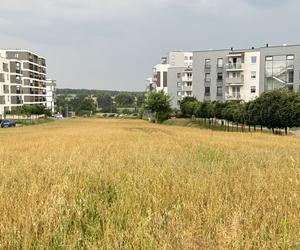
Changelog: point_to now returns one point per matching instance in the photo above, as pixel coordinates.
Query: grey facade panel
(173, 80)
(199, 71)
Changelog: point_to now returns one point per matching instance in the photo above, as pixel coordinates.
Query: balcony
(187, 88)
(235, 80)
(234, 66)
(187, 79)
(233, 97)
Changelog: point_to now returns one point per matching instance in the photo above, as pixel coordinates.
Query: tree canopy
(158, 103)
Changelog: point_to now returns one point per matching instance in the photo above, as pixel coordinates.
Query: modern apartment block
(22, 79)
(223, 75)
(173, 59)
(51, 94)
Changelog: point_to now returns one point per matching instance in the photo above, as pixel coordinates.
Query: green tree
(189, 106)
(124, 100)
(158, 103)
(105, 103)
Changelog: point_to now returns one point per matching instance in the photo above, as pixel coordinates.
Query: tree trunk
(273, 131)
(249, 128)
(286, 130)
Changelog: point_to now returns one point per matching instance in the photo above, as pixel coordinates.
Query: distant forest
(95, 92)
(82, 101)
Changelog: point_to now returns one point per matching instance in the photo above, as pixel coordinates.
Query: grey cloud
(267, 3)
(113, 44)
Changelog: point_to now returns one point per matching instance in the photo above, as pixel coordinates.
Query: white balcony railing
(234, 66)
(187, 88)
(233, 96)
(235, 80)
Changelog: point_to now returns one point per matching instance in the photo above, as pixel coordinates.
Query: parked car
(7, 124)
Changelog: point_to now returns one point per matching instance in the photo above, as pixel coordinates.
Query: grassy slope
(120, 184)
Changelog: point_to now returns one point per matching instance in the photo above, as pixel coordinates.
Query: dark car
(7, 124)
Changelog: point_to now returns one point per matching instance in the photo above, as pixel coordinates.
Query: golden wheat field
(122, 184)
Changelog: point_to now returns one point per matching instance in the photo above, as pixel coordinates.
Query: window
(16, 55)
(253, 59)
(186, 58)
(189, 84)
(219, 91)
(158, 80)
(191, 58)
(253, 89)
(207, 63)
(207, 77)
(291, 88)
(220, 77)
(207, 91)
(253, 74)
(269, 58)
(220, 63)
(179, 84)
(290, 57)
(178, 75)
(291, 76)
(178, 93)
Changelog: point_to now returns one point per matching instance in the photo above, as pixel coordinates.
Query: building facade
(24, 81)
(174, 59)
(51, 95)
(229, 74)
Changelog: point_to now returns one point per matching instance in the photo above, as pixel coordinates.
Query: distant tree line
(275, 110)
(80, 101)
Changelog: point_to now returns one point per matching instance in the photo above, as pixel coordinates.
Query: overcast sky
(113, 44)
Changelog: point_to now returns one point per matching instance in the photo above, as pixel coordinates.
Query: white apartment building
(242, 76)
(22, 79)
(5, 85)
(51, 95)
(174, 59)
(228, 74)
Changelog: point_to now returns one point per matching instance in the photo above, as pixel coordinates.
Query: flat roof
(23, 50)
(249, 49)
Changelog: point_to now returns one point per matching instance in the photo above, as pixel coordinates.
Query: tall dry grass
(112, 184)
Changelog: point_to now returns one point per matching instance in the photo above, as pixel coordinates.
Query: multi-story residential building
(183, 77)
(51, 94)
(5, 85)
(229, 74)
(173, 59)
(25, 79)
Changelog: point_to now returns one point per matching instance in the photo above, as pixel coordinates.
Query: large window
(279, 71)
(220, 77)
(253, 74)
(291, 76)
(207, 77)
(253, 59)
(207, 91)
(220, 63)
(207, 64)
(219, 91)
(253, 89)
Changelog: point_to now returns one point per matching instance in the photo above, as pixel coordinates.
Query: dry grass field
(120, 184)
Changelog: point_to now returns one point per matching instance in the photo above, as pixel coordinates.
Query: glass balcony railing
(234, 66)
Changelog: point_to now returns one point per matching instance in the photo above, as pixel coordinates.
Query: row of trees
(275, 110)
(31, 110)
